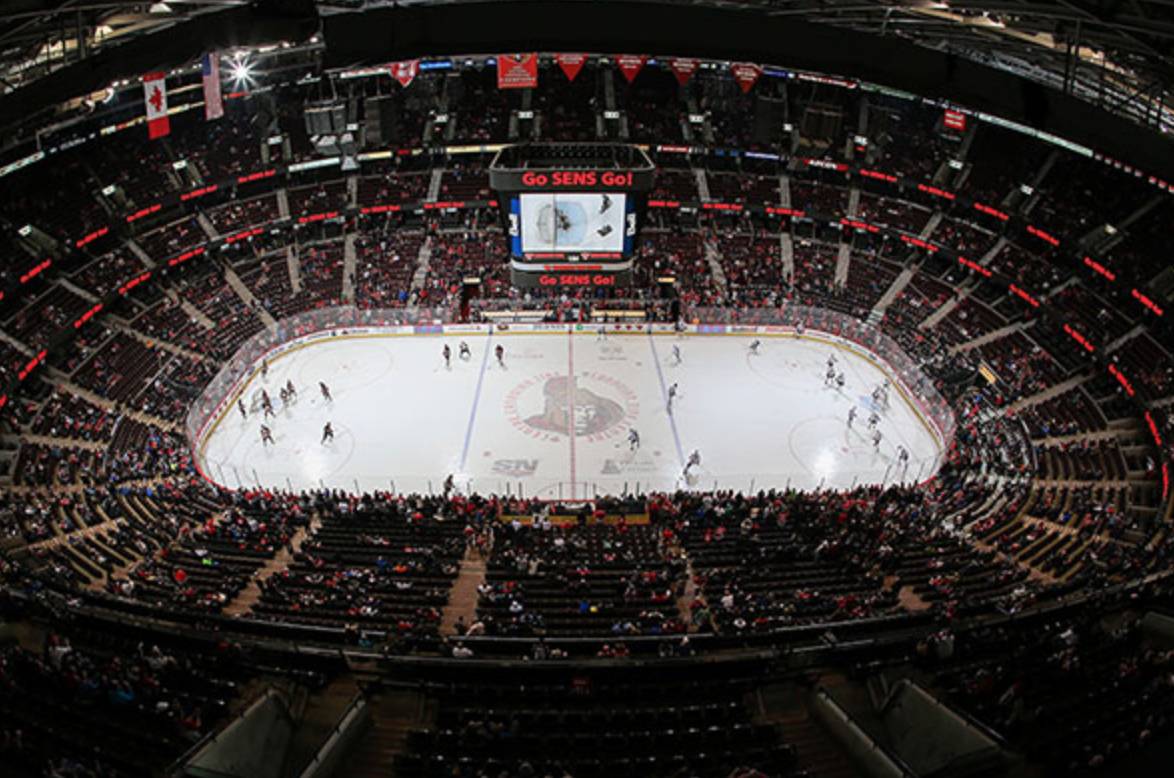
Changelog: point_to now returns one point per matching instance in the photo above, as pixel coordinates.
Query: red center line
(571, 403)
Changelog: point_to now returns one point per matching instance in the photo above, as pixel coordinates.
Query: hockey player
(447, 356)
(633, 439)
(676, 354)
(672, 396)
(840, 381)
(754, 344)
(327, 433)
(601, 333)
(831, 360)
(499, 352)
(876, 439)
(284, 395)
(266, 436)
(289, 387)
(903, 456)
(322, 387)
(267, 406)
(829, 377)
(694, 461)
(264, 368)
(851, 415)
(873, 420)
(240, 404)
(464, 352)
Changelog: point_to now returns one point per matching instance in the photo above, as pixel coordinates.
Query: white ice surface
(404, 421)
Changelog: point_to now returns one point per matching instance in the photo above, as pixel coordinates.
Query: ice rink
(403, 420)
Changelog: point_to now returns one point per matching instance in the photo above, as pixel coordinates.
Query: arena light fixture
(242, 71)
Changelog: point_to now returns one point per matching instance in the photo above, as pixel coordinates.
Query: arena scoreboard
(571, 211)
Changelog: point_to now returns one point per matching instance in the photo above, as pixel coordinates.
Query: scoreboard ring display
(571, 211)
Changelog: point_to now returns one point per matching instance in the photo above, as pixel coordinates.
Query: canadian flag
(155, 93)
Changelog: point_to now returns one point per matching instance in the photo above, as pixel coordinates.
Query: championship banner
(746, 73)
(571, 64)
(213, 101)
(630, 65)
(405, 72)
(684, 69)
(155, 95)
(517, 71)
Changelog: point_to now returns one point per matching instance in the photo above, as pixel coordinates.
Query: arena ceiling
(1115, 54)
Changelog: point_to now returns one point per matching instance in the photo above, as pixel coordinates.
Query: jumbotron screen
(575, 222)
(572, 211)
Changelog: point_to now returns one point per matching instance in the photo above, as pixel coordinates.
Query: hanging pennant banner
(405, 72)
(517, 71)
(571, 64)
(746, 73)
(630, 65)
(155, 95)
(954, 120)
(684, 69)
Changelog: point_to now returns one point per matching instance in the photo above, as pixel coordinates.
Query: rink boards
(527, 411)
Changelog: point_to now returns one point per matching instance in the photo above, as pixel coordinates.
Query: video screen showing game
(573, 222)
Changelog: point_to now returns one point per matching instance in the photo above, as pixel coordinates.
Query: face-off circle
(547, 406)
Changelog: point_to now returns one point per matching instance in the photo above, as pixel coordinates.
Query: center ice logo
(548, 406)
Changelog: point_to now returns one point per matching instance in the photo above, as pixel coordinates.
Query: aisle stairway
(462, 597)
(251, 594)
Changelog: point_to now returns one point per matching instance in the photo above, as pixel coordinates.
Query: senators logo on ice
(549, 406)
